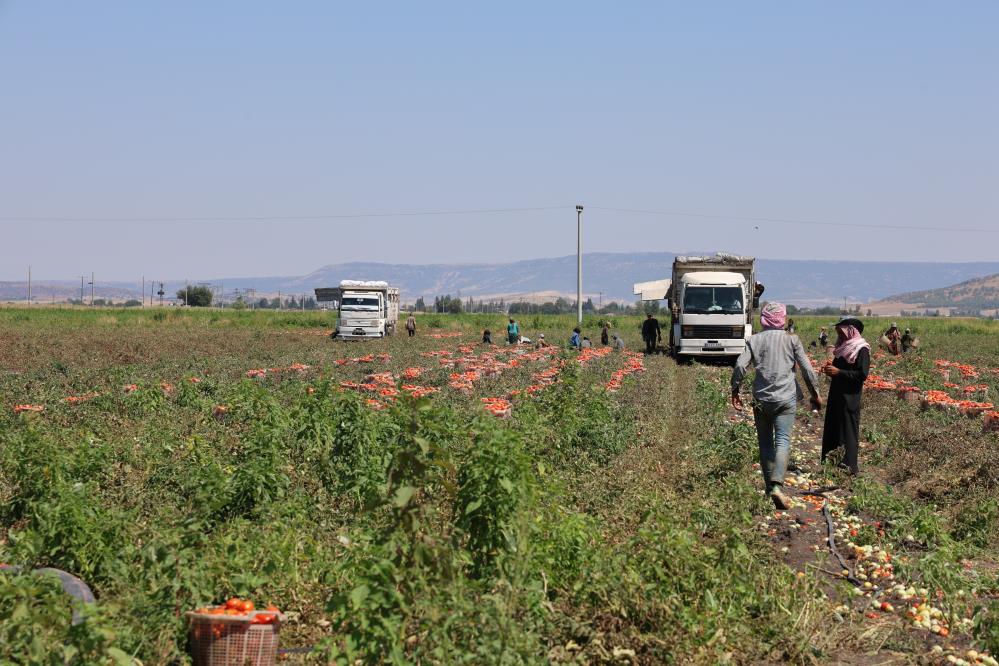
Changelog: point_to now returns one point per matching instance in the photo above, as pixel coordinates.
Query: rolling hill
(980, 293)
(613, 274)
(606, 276)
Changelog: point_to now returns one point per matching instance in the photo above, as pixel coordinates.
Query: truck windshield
(358, 303)
(712, 300)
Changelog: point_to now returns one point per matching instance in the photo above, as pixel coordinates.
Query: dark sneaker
(781, 501)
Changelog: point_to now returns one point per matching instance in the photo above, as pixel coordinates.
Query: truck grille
(715, 333)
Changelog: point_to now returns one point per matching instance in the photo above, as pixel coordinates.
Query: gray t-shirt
(774, 354)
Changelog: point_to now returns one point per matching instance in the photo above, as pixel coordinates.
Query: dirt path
(856, 575)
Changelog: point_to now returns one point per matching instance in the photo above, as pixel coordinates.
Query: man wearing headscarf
(774, 353)
(848, 370)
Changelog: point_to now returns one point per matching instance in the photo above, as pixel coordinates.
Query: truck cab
(710, 314)
(361, 314)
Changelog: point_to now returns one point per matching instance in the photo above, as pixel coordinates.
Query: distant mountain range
(606, 276)
(976, 293)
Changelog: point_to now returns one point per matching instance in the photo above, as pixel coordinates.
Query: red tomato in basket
(246, 606)
(235, 602)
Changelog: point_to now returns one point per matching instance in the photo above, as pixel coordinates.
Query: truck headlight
(738, 331)
(687, 331)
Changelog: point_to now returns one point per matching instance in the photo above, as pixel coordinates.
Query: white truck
(712, 301)
(365, 309)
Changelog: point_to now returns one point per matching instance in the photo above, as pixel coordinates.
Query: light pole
(579, 264)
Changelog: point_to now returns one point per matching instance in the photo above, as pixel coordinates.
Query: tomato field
(436, 500)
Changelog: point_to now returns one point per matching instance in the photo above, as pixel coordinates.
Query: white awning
(652, 291)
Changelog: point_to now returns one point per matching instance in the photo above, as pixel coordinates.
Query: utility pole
(91, 289)
(187, 289)
(29, 286)
(579, 264)
(82, 278)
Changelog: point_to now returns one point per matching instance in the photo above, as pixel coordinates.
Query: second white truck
(365, 309)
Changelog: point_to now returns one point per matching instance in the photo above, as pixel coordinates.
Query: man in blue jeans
(774, 353)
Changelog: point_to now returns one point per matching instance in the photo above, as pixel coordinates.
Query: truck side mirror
(756, 302)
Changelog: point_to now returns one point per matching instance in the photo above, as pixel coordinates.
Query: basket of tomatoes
(234, 634)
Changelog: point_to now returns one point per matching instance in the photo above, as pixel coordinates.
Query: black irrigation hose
(831, 540)
(820, 492)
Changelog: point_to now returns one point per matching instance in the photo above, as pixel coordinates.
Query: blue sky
(875, 113)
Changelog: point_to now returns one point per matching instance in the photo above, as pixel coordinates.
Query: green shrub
(495, 483)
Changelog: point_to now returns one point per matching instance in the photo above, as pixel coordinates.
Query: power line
(784, 220)
(490, 211)
(278, 218)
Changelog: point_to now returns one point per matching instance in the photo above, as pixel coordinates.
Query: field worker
(586, 344)
(848, 370)
(618, 343)
(487, 337)
(605, 334)
(542, 343)
(774, 353)
(574, 341)
(411, 325)
(894, 339)
(651, 333)
(512, 332)
(907, 340)
(823, 337)
(790, 326)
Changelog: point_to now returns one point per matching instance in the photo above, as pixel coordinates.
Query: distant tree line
(824, 311)
(455, 305)
(289, 303)
(107, 302)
